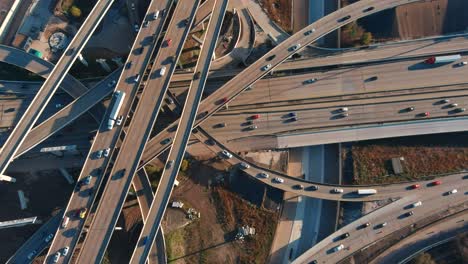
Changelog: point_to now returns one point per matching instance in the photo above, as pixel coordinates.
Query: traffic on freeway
(94, 168)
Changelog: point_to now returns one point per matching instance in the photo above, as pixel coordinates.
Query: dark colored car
(343, 19)
(368, 9)
(344, 236)
(197, 76)
(371, 79)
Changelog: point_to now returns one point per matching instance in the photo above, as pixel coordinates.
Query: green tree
(75, 11)
(366, 38)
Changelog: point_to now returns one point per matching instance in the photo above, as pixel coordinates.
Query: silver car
(266, 67)
(106, 152)
(56, 257)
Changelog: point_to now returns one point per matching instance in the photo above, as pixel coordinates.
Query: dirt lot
(47, 191)
(280, 11)
(423, 155)
(210, 239)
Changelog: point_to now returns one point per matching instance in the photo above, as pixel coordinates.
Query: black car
(368, 9)
(371, 79)
(343, 19)
(270, 57)
(298, 186)
(197, 76)
(344, 236)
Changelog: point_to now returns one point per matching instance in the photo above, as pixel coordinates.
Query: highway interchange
(126, 159)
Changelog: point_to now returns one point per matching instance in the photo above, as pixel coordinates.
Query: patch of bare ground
(423, 156)
(280, 11)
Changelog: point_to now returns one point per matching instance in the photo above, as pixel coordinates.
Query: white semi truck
(117, 103)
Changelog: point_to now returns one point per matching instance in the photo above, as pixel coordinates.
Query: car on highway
(226, 154)
(263, 175)
(409, 109)
(145, 24)
(244, 165)
(444, 101)
(220, 125)
(248, 123)
(169, 164)
(342, 115)
(269, 58)
(49, 238)
(308, 81)
(459, 110)
(111, 83)
(132, 6)
(119, 120)
(434, 183)
(254, 117)
(87, 180)
(382, 225)
(365, 225)
(452, 105)
(82, 212)
(371, 79)
(308, 32)
(463, 63)
(223, 100)
(337, 190)
(338, 248)
(415, 186)
(312, 188)
(292, 119)
(343, 19)
(278, 180)
(58, 105)
(99, 154)
(169, 100)
(343, 109)
(107, 152)
(128, 65)
(32, 254)
(408, 214)
(137, 78)
(136, 27)
(156, 15)
(343, 236)
(65, 251)
(292, 114)
(298, 187)
(266, 67)
(295, 47)
(162, 71)
(454, 191)
(368, 9)
(65, 221)
(252, 127)
(425, 114)
(168, 42)
(166, 141)
(416, 204)
(197, 75)
(56, 257)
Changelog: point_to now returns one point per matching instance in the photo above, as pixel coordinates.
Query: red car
(256, 116)
(426, 114)
(224, 100)
(415, 186)
(436, 183)
(168, 42)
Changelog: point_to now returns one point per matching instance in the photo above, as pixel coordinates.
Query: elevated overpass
(52, 83)
(141, 124)
(182, 136)
(96, 167)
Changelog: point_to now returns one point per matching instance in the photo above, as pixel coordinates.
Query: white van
(156, 15)
(65, 221)
(162, 71)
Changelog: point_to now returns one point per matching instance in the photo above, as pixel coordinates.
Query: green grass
(174, 243)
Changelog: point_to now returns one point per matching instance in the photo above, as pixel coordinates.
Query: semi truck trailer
(117, 103)
(442, 59)
(366, 191)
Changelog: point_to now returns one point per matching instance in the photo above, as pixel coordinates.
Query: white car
(99, 154)
(119, 120)
(56, 257)
(226, 154)
(463, 63)
(416, 204)
(111, 83)
(65, 251)
(343, 109)
(106, 152)
(244, 165)
(136, 27)
(266, 67)
(65, 221)
(156, 15)
(137, 78)
(32, 254)
(453, 191)
(278, 180)
(162, 71)
(337, 190)
(58, 105)
(263, 175)
(338, 248)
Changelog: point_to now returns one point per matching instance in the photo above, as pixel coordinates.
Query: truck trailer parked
(366, 191)
(442, 59)
(117, 103)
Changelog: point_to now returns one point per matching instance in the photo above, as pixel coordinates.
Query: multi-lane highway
(141, 124)
(52, 83)
(394, 217)
(104, 139)
(264, 65)
(182, 136)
